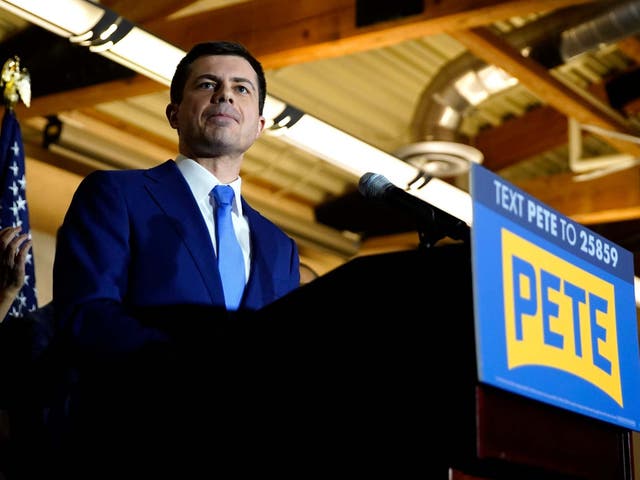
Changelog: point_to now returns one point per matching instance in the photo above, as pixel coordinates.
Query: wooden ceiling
(285, 34)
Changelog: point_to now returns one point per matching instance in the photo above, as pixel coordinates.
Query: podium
(378, 361)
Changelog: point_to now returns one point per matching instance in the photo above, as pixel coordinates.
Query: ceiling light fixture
(102, 31)
(439, 158)
(357, 157)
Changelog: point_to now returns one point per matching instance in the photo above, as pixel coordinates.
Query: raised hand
(14, 249)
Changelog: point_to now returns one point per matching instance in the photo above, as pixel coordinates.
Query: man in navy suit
(138, 296)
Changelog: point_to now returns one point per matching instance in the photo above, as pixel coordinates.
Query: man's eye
(243, 89)
(207, 85)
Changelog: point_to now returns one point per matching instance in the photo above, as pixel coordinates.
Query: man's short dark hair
(216, 48)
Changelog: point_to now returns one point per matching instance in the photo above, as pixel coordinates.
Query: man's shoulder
(263, 224)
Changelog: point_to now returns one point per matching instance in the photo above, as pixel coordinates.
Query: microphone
(433, 223)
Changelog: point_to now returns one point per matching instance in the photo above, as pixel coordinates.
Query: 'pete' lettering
(558, 315)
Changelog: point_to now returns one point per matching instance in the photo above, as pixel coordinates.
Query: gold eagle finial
(15, 83)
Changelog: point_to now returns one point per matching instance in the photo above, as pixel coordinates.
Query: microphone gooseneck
(433, 223)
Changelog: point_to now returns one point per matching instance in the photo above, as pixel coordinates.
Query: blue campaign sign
(554, 306)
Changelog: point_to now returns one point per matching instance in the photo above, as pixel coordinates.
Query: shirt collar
(201, 181)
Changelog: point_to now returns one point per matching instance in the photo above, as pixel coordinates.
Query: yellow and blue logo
(558, 315)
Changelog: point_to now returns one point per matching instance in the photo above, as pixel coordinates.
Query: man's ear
(171, 112)
(261, 124)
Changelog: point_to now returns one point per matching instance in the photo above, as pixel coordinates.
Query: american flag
(13, 207)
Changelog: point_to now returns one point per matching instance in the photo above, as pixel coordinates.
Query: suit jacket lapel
(170, 190)
(259, 286)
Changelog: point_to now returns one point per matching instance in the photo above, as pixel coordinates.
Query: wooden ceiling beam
(503, 146)
(141, 12)
(75, 166)
(630, 46)
(280, 34)
(496, 51)
(87, 97)
(612, 198)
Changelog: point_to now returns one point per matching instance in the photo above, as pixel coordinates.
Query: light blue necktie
(230, 259)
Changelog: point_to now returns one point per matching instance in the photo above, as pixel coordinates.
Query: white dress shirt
(201, 181)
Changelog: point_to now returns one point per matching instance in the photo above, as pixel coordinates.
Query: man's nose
(223, 94)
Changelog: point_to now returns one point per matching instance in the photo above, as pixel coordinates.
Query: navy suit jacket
(135, 240)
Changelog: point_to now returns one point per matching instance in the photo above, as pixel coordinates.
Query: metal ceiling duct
(616, 24)
(442, 107)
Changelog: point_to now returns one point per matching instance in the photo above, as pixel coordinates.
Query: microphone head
(373, 185)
